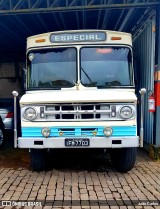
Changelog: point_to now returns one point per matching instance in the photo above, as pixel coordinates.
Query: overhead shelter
(22, 18)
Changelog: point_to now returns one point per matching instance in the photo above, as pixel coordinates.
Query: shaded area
(62, 159)
(61, 15)
(13, 158)
(79, 159)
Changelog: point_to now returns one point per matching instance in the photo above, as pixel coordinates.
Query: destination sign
(78, 37)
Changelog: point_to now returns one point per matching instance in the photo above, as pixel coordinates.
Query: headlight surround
(30, 113)
(126, 112)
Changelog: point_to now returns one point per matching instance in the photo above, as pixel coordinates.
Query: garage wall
(10, 75)
(144, 50)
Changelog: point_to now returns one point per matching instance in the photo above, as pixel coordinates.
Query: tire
(123, 159)
(37, 157)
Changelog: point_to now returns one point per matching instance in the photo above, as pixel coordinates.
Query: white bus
(80, 93)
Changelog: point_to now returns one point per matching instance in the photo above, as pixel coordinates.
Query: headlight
(30, 113)
(108, 131)
(46, 132)
(126, 112)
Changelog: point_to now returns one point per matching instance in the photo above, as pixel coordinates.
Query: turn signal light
(40, 40)
(115, 38)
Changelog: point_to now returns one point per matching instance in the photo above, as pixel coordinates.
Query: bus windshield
(52, 68)
(106, 66)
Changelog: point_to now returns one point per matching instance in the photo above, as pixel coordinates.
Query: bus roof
(84, 37)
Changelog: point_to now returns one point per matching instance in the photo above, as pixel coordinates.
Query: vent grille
(72, 112)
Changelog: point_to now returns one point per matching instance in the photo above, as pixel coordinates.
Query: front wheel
(123, 159)
(37, 157)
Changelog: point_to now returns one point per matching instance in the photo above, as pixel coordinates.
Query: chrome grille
(78, 112)
(63, 112)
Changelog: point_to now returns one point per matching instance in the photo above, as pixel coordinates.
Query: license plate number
(76, 142)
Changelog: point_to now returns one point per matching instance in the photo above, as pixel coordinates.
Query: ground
(77, 180)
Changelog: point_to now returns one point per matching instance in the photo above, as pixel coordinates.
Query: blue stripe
(79, 131)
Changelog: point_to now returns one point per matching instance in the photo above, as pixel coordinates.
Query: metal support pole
(142, 92)
(15, 94)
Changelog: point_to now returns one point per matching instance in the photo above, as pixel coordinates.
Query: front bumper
(95, 142)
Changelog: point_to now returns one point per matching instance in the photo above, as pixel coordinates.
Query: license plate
(76, 142)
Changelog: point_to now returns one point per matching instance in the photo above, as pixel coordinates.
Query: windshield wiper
(114, 87)
(87, 76)
(45, 88)
(112, 84)
(105, 87)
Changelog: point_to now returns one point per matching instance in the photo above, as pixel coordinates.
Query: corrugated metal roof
(22, 18)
